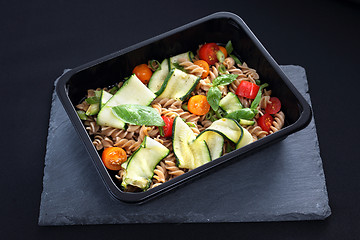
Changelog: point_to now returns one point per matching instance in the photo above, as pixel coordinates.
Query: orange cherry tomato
(113, 157)
(198, 105)
(208, 51)
(221, 48)
(205, 66)
(143, 72)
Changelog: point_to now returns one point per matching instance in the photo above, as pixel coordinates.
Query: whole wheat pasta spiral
(129, 146)
(256, 132)
(187, 116)
(168, 102)
(213, 73)
(160, 173)
(191, 68)
(229, 62)
(84, 106)
(171, 167)
(249, 72)
(278, 123)
(101, 142)
(91, 126)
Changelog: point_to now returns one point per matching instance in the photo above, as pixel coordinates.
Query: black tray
(219, 27)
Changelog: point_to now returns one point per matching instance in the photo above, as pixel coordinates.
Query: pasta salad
(188, 110)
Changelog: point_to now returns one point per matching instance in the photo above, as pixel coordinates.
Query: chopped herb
(154, 65)
(92, 100)
(82, 115)
(178, 66)
(229, 47)
(113, 90)
(220, 56)
(237, 61)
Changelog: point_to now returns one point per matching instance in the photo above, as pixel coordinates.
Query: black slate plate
(282, 182)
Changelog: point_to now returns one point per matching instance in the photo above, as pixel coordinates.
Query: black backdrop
(38, 39)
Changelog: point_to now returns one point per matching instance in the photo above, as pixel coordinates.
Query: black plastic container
(219, 27)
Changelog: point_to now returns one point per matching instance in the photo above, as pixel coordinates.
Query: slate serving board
(284, 182)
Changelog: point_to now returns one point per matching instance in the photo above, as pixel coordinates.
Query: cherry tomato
(247, 89)
(221, 48)
(265, 122)
(274, 106)
(143, 72)
(198, 105)
(205, 66)
(208, 51)
(113, 157)
(168, 126)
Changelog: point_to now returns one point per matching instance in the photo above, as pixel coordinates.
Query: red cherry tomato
(168, 126)
(208, 51)
(265, 122)
(247, 89)
(274, 106)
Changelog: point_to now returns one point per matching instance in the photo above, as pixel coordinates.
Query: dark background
(38, 39)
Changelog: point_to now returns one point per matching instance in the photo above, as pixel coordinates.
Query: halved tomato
(265, 122)
(208, 51)
(274, 106)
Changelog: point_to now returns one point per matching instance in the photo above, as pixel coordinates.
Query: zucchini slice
(133, 91)
(230, 103)
(215, 142)
(175, 59)
(227, 127)
(104, 97)
(179, 85)
(93, 109)
(141, 165)
(189, 151)
(245, 139)
(156, 82)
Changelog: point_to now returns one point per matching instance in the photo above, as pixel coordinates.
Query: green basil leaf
(244, 113)
(229, 47)
(138, 115)
(237, 61)
(257, 99)
(225, 79)
(213, 97)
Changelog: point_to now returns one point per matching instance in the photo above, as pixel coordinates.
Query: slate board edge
(171, 219)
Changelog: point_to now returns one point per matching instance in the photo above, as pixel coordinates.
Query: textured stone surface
(284, 182)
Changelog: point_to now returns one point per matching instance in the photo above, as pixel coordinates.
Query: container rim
(141, 197)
